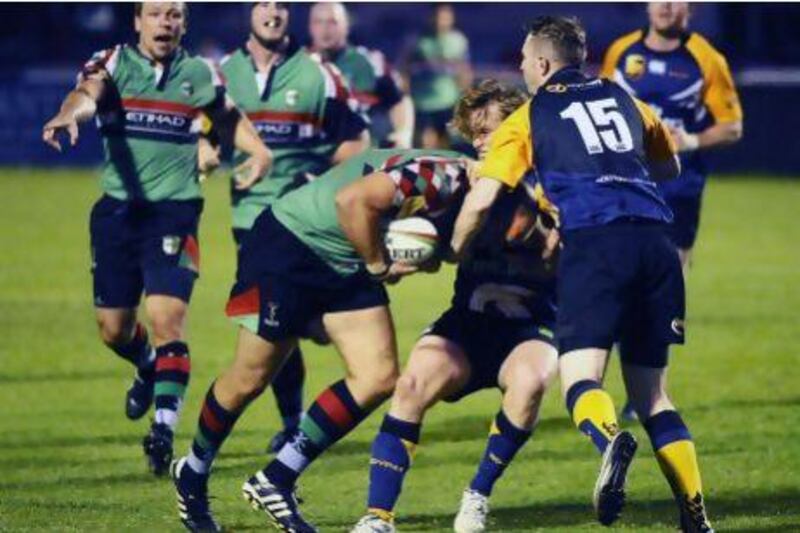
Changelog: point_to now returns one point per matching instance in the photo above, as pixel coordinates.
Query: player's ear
(137, 23)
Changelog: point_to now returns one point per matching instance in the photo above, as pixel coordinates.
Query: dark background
(42, 46)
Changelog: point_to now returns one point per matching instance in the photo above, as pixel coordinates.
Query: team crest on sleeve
(171, 244)
(635, 66)
(187, 88)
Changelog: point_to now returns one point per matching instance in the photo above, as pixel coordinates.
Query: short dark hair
(566, 34)
(137, 9)
(485, 92)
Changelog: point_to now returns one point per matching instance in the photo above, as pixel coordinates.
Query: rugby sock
(675, 452)
(213, 428)
(593, 412)
(172, 377)
(504, 441)
(392, 452)
(332, 416)
(137, 350)
(288, 389)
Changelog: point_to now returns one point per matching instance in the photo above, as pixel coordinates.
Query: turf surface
(69, 460)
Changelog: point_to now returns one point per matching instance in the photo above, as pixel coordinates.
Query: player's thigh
(581, 365)
(647, 389)
(365, 339)
(529, 369)
(437, 368)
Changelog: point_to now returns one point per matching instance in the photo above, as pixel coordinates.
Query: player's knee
(115, 332)
(167, 324)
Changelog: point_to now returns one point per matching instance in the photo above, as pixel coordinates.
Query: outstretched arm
(79, 106)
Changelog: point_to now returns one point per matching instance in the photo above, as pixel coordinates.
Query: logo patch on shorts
(171, 244)
(677, 326)
(270, 319)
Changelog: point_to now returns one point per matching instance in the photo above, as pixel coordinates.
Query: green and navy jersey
(426, 181)
(433, 70)
(148, 120)
(302, 111)
(690, 88)
(591, 145)
(503, 277)
(372, 81)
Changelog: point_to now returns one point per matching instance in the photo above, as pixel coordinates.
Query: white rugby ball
(411, 241)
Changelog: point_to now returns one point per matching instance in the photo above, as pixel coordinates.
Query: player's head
(669, 19)
(328, 25)
(160, 26)
(444, 18)
(552, 43)
(482, 109)
(269, 23)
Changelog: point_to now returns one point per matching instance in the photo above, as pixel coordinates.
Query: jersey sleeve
(387, 81)
(615, 51)
(101, 65)
(210, 94)
(341, 120)
(658, 143)
(720, 96)
(425, 181)
(510, 153)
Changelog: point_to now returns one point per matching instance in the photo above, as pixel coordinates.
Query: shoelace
(696, 508)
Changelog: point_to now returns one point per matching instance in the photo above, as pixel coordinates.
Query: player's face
(328, 26)
(532, 66)
(444, 19)
(482, 124)
(161, 26)
(269, 21)
(668, 17)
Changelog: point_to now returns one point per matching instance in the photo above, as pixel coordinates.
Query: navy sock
(137, 350)
(504, 441)
(288, 389)
(392, 452)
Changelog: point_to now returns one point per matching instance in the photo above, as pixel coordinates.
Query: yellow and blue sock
(392, 452)
(592, 411)
(675, 452)
(505, 440)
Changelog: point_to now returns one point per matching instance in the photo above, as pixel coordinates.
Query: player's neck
(155, 60)
(663, 41)
(266, 55)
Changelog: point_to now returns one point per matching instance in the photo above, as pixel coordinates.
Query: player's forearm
(79, 105)
(401, 116)
(720, 135)
(359, 222)
(348, 149)
(473, 214)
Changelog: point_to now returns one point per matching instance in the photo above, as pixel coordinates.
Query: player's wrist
(378, 269)
(691, 142)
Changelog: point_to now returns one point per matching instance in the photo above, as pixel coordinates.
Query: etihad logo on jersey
(154, 119)
(635, 66)
(283, 132)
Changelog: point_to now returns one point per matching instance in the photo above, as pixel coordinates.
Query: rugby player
(498, 332)
(301, 110)
(317, 251)
(687, 82)
(144, 228)
(373, 82)
(598, 153)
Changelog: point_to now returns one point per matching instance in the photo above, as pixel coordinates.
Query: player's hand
(251, 171)
(397, 271)
(207, 156)
(431, 266)
(57, 125)
(686, 142)
(552, 243)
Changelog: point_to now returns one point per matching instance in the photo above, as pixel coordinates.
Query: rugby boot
(158, 448)
(609, 491)
(139, 397)
(693, 515)
(191, 489)
(280, 505)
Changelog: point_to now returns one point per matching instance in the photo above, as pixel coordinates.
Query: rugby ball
(411, 241)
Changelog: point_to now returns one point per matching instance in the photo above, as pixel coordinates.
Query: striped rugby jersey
(148, 119)
(302, 110)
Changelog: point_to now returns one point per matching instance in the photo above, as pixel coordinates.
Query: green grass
(69, 460)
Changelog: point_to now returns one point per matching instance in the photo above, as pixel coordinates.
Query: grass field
(69, 460)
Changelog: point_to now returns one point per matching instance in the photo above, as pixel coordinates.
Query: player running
(316, 252)
(597, 153)
(373, 83)
(300, 108)
(688, 84)
(144, 228)
(498, 332)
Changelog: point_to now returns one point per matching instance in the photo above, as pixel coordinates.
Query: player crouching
(498, 332)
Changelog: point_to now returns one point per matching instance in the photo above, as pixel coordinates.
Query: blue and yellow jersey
(591, 145)
(690, 88)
